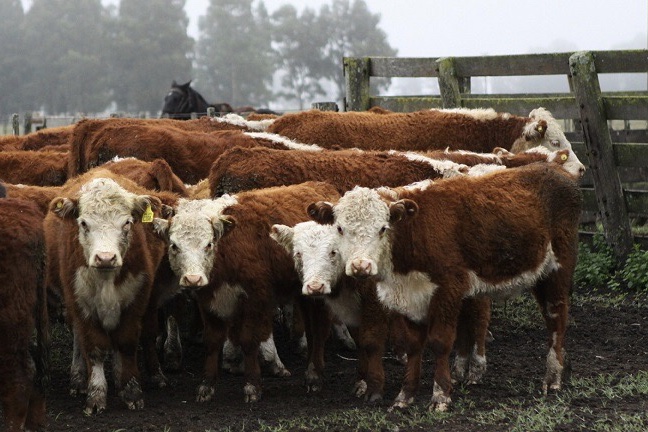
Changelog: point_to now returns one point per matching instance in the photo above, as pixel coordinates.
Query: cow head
(314, 249)
(541, 129)
(363, 221)
(105, 213)
(193, 233)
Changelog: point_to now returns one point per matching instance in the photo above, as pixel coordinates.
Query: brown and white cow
(99, 254)
(478, 130)
(315, 251)
(23, 309)
(431, 245)
(155, 175)
(222, 249)
(188, 153)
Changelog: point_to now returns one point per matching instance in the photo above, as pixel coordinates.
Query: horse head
(182, 100)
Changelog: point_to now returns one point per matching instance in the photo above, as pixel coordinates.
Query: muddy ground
(601, 340)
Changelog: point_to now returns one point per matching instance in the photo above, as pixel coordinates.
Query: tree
(353, 32)
(151, 48)
(299, 42)
(234, 55)
(64, 43)
(12, 62)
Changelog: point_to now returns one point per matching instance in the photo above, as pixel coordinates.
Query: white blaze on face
(316, 256)
(105, 221)
(571, 164)
(361, 219)
(194, 232)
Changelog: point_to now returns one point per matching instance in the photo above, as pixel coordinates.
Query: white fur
(293, 145)
(408, 294)
(100, 299)
(441, 166)
(482, 114)
(195, 225)
(237, 120)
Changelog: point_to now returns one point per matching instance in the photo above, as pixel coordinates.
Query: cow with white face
(314, 249)
(430, 246)
(221, 249)
(98, 254)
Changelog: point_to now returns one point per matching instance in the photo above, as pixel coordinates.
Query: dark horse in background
(182, 100)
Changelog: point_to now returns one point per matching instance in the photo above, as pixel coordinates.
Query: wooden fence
(617, 160)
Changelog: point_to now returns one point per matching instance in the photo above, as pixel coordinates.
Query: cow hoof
(132, 395)
(313, 380)
(440, 401)
(78, 385)
(95, 404)
(252, 393)
(360, 388)
(205, 392)
(159, 380)
(281, 372)
(401, 402)
(373, 397)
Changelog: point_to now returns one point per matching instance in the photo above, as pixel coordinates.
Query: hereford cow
(190, 154)
(221, 248)
(478, 130)
(431, 245)
(315, 251)
(101, 257)
(34, 168)
(23, 309)
(240, 169)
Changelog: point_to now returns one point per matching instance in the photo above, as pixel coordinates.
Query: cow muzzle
(193, 280)
(316, 288)
(361, 268)
(106, 261)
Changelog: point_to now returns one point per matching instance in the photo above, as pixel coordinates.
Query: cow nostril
(105, 259)
(193, 280)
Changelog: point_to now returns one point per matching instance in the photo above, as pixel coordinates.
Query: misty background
(65, 57)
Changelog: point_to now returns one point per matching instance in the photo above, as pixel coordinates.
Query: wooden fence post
(357, 84)
(607, 186)
(211, 112)
(325, 106)
(448, 83)
(28, 122)
(15, 124)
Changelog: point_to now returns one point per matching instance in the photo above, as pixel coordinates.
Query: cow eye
(209, 246)
(127, 226)
(555, 143)
(333, 254)
(382, 230)
(173, 247)
(339, 230)
(298, 255)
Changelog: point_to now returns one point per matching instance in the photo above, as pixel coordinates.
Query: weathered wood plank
(609, 194)
(356, 71)
(448, 83)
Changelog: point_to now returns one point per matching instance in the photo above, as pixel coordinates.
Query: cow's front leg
(97, 385)
(214, 333)
(78, 370)
(127, 372)
(318, 328)
(150, 331)
(413, 337)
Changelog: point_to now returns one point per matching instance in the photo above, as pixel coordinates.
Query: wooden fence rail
(617, 160)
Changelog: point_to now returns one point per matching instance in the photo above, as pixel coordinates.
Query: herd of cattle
(401, 226)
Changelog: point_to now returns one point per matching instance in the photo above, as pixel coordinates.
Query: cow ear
(161, 228)
(401, 209)
(321, 212)
(561, 156)
(144, 207)
(64, 207)
(223, 225)
(535, 130)
(283, 235)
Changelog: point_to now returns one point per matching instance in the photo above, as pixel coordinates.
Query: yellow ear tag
(59, 204)
(540, 128)
(147, 216)
(563, 157)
